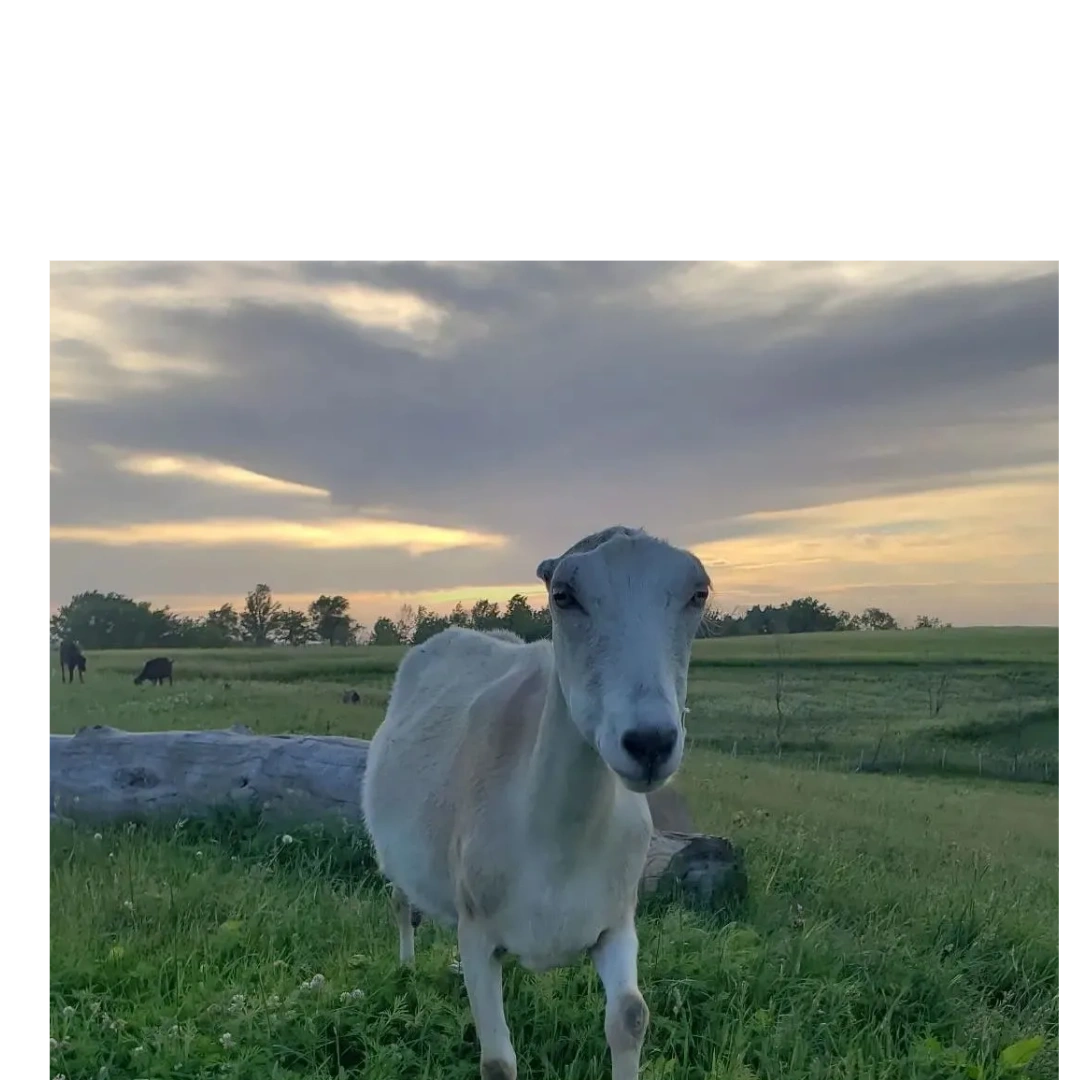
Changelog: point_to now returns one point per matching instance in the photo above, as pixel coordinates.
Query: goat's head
(625, 608)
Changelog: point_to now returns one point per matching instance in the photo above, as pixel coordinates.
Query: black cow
(71, 657)
(157, 671)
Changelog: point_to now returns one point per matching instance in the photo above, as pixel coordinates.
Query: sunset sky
(869, 433)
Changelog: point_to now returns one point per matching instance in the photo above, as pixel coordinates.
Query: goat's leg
(627, 1015)
(483, 984)
(402, 909)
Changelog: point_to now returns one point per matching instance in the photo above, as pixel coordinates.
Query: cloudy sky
(868, 433)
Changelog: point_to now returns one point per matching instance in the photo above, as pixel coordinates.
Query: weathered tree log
(102, 775)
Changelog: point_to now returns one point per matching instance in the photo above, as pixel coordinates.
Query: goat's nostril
(649, 746)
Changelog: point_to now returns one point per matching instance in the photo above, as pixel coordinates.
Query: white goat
(505, 790)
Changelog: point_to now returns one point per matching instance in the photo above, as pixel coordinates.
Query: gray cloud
(557, 399)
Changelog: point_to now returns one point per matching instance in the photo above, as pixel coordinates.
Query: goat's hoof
(497, 1069)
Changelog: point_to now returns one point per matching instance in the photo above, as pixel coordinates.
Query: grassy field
(898, 926)
(956, 702)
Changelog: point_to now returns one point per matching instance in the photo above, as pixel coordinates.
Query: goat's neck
(570, 789)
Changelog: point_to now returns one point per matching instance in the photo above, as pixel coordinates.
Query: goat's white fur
(501, 799)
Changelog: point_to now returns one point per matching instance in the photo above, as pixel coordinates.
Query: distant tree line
(803, 616)
(112, 621)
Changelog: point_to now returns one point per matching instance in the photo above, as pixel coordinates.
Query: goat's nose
(650, 746)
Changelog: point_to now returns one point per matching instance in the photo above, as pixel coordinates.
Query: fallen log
(102, 775)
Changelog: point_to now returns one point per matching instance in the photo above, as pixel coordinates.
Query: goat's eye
(563, 598)
(699, 598)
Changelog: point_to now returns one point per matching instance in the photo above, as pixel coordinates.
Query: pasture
(901, 923)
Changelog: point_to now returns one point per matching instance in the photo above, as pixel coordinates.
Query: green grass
(974, 702)
(897, 926)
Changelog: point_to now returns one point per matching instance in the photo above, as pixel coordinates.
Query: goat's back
(435, 751)
(70, 653)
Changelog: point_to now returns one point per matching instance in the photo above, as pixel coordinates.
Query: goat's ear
(545, 570)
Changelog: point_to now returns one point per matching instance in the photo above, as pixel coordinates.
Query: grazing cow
(157, 671)
(71, 658)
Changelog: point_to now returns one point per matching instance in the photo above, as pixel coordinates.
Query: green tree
(875, 619)
(329, 616)
(757, 620)
(406, 623)
(809, 616)
(386, 632)
(191, 633)
(930, 622)
(541, 623)
(427, 625)
(485, 615)
(112, 621)
(519, 617)
(224, 624)
(459, 616)
(294, 628)
(260, 617)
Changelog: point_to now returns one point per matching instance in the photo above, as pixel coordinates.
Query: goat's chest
(557, 909)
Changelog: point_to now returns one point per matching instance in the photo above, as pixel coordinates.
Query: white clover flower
(68, 1010)
(140, 1049)
(238, 1003)
(316, 982)
(273, 1001)
(352, 995)
(198, 854)
(129, 905)
(226, 1040)
(97, 836)
(53, 1044)
(286, 839)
